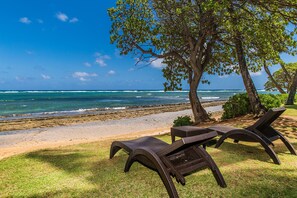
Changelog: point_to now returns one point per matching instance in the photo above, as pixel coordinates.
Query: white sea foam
(8, 92)
(118, 108)
(210, 98)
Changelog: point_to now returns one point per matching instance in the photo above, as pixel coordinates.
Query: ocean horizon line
(107, 90)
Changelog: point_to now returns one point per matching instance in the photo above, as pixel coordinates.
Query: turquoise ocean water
(40, 103)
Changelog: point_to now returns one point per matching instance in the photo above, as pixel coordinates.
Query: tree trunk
(272, 79)
(199, 112)
(255, 103)
(256, 106)
(290, 100)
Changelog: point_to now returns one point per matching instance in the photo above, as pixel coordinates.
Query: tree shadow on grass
(291, 106)
(66, 193)
(103, 177)
(235, 152)
(106, 178)
(245, 182)
(68, 160)
(287, 126)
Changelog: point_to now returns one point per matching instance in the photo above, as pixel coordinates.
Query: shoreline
(91, 111)
(22, 123)
(139, 123)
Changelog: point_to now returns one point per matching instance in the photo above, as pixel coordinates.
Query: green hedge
(239, 104)
(270, 101)
(182, 121)
(283, 98)
(236, 105)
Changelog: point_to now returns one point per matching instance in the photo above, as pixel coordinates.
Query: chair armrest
(198, 139)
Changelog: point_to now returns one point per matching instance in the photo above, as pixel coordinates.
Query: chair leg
(159, 166)
(113, 151)
(129, 163)
(212, 165)
(172, 138)
(114, 148)
(271, 153)
(221, 140)
(288, 144)
(243, 132)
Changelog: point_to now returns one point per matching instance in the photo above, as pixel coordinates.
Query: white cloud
(259, 73)
(111, 72)
(100, 62)
(62, 17)
(87, 64)
(83, 76)
(73, 20)
(157, 63)
(45, 77)
(97, 54)
(100, 59)
(25, 20)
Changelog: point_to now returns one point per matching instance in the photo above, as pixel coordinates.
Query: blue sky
(62, 44)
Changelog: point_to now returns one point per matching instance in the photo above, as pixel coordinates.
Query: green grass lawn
(291, 110)
(85, 171)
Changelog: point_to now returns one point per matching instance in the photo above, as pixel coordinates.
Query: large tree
(258, 32)
(284, 79)
(182, 33)
(237, 23)
(293, 87)
(193, 37)
(281, 79)
(272, 82)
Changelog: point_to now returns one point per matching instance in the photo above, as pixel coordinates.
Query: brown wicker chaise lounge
(177, 159)
(261, 131)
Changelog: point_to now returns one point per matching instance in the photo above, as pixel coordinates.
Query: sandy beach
(41, 133)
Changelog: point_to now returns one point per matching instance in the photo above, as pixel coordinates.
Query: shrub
(239, 104)
(236, 105)
(270, 101)
(283, 98)
(182, 121)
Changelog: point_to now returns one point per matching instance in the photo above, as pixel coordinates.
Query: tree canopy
(183, 33)
(193, 37)
(281, 78)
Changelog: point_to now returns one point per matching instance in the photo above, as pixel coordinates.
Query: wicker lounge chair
(261, 132)
(177, 159)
